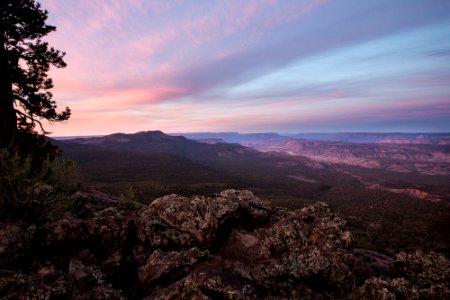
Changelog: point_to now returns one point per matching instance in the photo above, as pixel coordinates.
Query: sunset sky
(252, 65)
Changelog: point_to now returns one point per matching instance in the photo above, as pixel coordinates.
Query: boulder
(266, 252)
(415, 276)
(181, 222)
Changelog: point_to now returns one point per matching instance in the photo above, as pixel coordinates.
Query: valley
(414, 164)
(371, 199)
(424, 156)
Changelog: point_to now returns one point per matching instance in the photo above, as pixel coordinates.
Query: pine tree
(25, 59)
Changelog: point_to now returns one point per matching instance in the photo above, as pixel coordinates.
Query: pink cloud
(298, 10)
(163, 7)
(240, 15)
(139, 55)
(144, 47)
(411, 108)
(126, 98)
(159, 64)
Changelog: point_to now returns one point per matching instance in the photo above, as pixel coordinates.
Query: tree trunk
(8, 117)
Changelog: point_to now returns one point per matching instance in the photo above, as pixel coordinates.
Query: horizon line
(254, 132)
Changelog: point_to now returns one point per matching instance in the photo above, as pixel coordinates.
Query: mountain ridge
(373, 201)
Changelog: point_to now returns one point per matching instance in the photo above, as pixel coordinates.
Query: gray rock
(228, 246)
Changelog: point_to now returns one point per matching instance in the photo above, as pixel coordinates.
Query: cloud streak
(223, 64)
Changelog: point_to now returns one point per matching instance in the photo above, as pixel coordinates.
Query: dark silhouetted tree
(25, 59)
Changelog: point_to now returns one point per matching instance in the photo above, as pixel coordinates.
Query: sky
(252, 65)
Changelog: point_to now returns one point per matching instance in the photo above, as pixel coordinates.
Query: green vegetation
(127, 200)
(33, 195)
(388, 222)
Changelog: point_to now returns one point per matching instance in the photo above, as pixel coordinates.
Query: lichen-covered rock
(47, 282)
(176, 221)
(428, 273)
(403, 289)
(166, 265)
(228, 246)
(104, 233)
(15, 242)
(416, 276)
(377, 288)
(423, 270)
(374, 288)
(91, 283)
(304, 245)
(291, 256)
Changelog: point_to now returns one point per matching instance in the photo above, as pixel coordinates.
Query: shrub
(128, 200)
(33, 194)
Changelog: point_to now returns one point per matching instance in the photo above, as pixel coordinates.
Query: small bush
(31, 194)
(128, 200)
(78, 205)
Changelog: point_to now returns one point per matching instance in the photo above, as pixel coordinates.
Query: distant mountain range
(374, 184)
(359, 137)
(261, 159)
(162, 159)
(158, 142)
(426, 154)
(380, 138)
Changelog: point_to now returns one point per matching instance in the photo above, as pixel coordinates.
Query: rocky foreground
(228, 246)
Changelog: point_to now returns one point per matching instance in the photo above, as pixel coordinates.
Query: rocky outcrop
(227, 246)
(253, 251)
(415, 276)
